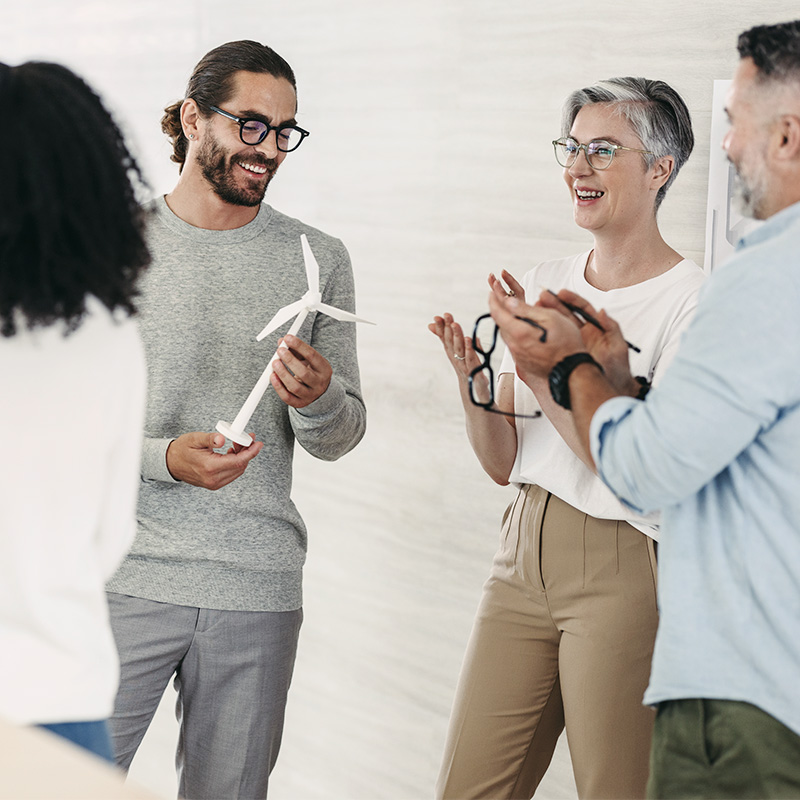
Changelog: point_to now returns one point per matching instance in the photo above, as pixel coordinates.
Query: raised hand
(492, 436)
(457, 347)
(534, 354)
(515, 287)
(606, 344)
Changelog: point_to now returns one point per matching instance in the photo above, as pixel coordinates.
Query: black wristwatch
(644, 387)
(559, 376)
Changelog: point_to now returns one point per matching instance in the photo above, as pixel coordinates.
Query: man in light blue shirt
(717, 448)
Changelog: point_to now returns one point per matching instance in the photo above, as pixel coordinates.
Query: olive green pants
(722, 749)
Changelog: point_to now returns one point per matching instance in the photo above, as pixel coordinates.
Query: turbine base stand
(239, 437)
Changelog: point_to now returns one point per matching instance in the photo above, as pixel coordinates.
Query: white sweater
(72, 410)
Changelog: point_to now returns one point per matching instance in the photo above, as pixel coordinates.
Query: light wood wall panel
(430, 156)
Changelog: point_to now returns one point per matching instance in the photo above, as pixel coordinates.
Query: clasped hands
(567, 333)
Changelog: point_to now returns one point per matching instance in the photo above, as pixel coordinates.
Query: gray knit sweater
(204, 299)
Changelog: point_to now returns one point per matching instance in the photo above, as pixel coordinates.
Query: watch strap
(644, 387)
(559, 377)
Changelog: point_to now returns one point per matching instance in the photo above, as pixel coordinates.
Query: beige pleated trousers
(563, 637)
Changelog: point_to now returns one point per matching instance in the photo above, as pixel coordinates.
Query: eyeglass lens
(482, 378)
(599, 154)
(484, 335)
(484, 341)
(254, 132)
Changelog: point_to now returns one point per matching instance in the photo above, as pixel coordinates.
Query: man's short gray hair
(775, 50)
(655, 111)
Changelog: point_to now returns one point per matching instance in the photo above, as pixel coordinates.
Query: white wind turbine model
(310, 301)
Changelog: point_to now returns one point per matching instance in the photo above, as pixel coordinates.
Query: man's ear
(189, 118)
(785, 138)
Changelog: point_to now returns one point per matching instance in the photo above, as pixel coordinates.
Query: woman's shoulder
(682, 281)
(556, 273)
(103, 329)
(688, 272)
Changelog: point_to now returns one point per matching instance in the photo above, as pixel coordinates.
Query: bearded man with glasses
(212, 589)
(565, 629)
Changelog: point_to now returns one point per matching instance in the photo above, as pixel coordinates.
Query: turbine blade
(338, 313)
(282, 315)
(312, 267)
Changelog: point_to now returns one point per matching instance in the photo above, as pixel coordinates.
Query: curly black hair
(71, 224)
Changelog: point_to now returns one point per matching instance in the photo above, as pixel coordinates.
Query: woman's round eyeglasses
(599, 153)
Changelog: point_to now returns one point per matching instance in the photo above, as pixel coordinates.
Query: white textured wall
(430, 156)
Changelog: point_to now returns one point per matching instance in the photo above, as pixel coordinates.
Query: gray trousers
(232, 673)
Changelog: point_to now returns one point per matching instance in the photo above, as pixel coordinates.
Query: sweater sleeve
(154, 460)
(335, 422)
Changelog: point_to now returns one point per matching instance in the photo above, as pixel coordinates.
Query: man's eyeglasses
(599, 153)
(254, 131)
(481, 379)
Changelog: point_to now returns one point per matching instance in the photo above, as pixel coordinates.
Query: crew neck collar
(248, 231)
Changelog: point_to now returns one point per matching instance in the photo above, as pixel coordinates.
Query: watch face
(559, 377)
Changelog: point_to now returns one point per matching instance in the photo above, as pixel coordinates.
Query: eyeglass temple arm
(543, 337)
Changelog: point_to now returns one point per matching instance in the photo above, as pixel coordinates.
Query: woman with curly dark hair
(72, 395)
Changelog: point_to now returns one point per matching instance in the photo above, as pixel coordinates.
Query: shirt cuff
(605, 419)
(154, 460)
(608, 415)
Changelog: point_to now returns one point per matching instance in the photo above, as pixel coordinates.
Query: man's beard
(217, 169)
(749, 192)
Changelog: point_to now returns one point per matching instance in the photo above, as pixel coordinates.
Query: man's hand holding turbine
(289, 372)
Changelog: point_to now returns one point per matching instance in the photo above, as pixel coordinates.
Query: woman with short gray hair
(565, 630)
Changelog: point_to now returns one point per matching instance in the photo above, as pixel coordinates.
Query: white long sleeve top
(72, 409)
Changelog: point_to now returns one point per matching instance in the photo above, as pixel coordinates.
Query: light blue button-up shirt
(717, 447)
